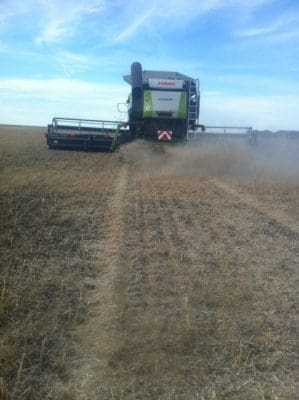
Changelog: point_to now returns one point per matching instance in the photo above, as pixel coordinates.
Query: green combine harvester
(162, 106)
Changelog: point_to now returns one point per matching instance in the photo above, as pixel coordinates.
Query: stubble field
(148, 273)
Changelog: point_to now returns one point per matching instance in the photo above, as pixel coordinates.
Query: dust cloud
(271, 159)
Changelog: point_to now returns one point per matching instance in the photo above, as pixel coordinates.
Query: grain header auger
(162, 106)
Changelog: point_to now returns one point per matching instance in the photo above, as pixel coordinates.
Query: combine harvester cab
(86, 134)
(163, 105)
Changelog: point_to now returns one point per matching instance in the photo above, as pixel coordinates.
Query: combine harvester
(163, 106)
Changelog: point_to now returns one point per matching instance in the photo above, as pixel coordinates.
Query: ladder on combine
(193, 103)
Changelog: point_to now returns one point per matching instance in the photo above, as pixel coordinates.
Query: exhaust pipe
(137, 91)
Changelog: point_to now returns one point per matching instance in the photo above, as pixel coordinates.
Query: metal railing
(220, 132)
(80, 126)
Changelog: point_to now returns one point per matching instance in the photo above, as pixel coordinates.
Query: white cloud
(53, 32)
(37, 101)
(50, 88)
(169, 14)
(71, 63)
(61, 20)
(194, 8)
(281, 37)
(280, 30)
(152, 15)
(131, 29)
(55, 20)
(260, 112)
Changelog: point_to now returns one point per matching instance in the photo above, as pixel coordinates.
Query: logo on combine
(166, 83)
(165, 135)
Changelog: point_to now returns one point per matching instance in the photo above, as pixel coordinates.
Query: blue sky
(66, 58)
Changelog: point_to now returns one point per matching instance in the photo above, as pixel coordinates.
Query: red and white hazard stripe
(165, 135)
